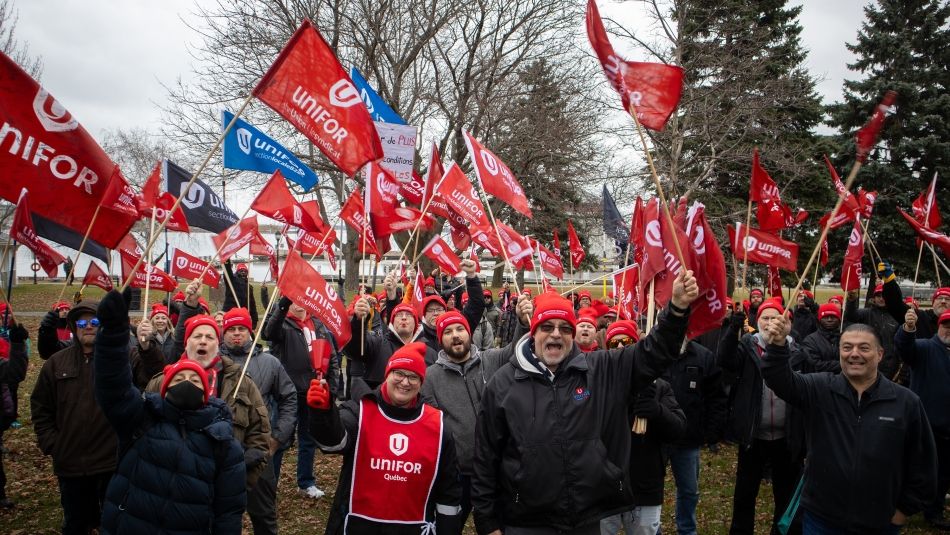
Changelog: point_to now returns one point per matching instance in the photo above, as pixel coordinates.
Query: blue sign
(247, 148)
(378, 109)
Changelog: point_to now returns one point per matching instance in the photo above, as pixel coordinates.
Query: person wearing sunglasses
(552, 440)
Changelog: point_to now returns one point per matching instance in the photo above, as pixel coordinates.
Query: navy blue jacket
(930, 362)
(179, 472)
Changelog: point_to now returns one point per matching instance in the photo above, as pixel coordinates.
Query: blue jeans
(812, 525)
(306, 446)
(684, 463)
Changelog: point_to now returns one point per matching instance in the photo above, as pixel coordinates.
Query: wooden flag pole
(82, 245)
(623, 276)
(187, 188)
(227, 280)
(3, 260)
(148, 267)
(585, 283)
(501, 243)
(745, 251)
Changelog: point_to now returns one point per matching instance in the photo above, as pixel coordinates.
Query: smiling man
(552, 442)
(872, 460)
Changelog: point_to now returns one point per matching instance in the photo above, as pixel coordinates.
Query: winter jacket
(457, 389)
(493, 315)
(804, 319)
(47, 338)
(885, 325)
(277, 390)
(553, 450)
(244, 291)
(376, 351)
(13, 368)
(647, 465)
(897, 308)
(472, 311)
(929, 361)
(289, 344)
(696, 381)
(336, 431)
(179, 471)
(147, 360)
(870, 456)
(483, 335)
(166, 344)
(820, 350)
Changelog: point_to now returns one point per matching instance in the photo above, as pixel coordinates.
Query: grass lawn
(33, 487)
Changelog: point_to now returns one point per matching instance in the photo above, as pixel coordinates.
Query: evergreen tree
(903, 45)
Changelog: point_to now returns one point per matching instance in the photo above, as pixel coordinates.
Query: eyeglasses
(82, 324)
(548, 328)
(620, 342)
(405, 376)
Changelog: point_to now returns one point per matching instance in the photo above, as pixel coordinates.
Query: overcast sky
(105, 60)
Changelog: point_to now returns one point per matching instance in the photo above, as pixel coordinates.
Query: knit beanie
(550, 306)
(184, 364)
(404, 307)
(941, 292)
(237, 316)
(767, 304)
(197, 321)
(410, 357)
(450, 318)
(829, 309)
(622, 328)
(587, 315)
(432, 299)
(158, 308)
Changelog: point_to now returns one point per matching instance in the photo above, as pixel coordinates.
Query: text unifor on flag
(306, 288)
(45, 149)
(22, 231)
(188, 267)
(308, 87)
(95, 276)
(762, 247)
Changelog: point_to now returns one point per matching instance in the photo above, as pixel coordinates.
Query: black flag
(55, 232)
(203, 208)
(614, 225)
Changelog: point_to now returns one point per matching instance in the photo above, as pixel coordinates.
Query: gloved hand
(646, 405)
(284, 303)
(18, 334)
(50, 320)
(885, 271)
(318, 396)
(113, 313)
(737, 319)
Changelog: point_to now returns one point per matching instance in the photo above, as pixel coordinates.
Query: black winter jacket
(696, 381)
(554, 451)
(870, 456)
(179, 472)
(288, 344)
(376, 351)
(930, 362)
(885, 325)
(820, 350)
(244, 291)
(647, 465)
(897, 308)
(804, 320)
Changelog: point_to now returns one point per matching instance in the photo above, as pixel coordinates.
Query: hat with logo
(622, 328)
(450, 318)
(405, 307)
(158, 308)
(941, 292)
(756, 291)
(879, 289)
(242, 268)
(410, 357)
(432, 299)
(199, 320)
(184, 364)
(944, 318)
(829, 309)
(551, 306)
(587, 315)
(237, 317)
(767, 304)
(582, 294)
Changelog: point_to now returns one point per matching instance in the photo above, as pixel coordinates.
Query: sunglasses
(620, 342)
(548, 328)
(82, 324)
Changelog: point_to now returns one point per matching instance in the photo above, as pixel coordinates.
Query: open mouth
(554, 346)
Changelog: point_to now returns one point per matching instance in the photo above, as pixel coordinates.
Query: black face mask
(185, 396)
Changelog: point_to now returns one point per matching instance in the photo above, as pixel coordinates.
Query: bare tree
(135, 151)
(10, 45)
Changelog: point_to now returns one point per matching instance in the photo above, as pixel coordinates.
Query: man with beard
(456, 382)
(587, 330)
(877, 316)
(552, 440)
(242, 289)
(280, 398)
(871, 461)
(433, 306)
(821, 347)
(929, 361)
(756, 297)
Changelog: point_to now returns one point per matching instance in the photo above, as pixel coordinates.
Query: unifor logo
(344, 95)
(437, 249)
(51, 114)
(244, 137)
(398, 444)
(194, 197)
(750, 243)
(181, 262)
(298, 214)
(653, 234)
(699, 239)
(331, 293)
(855, 237)
(491, 164)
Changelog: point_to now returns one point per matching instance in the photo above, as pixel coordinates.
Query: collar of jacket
(396, 336)
(238, 354)
(474, 358)
(881, 389)
(396, 413)
(524, 361)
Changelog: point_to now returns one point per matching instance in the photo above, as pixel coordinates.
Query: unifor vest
(395, 465)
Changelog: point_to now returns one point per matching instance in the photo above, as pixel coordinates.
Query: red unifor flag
(130, 249)
(823, 258)
(120, 197)
(636, 232)
(851, 269)
(556, 243)
(866, 200)
(461, 238)
(151, 189)
(550, 263)
(928, 235)
(925, 208)
(382, 188)
(486, 238)
(176, 220)
(495, 177)
(22, 231)
(260, 247)
(762, 187)
(306, 288)
(841, 219)
(235, 238)
(188, 267)
(663, 288)
(354, 215)
(710, 270)
(762, 247)
(574, 246)
(418, 292)
(625, 283)
(276, 202)
(44, 148)
(400, 219)
(95, 276)
(312, 208)
(433, 175)
(439, 252)
(308, 87)
(850, 205)
(315, 244)
(652, 245)
(413, 188)
(158, 279)
(867, 136)
(654, 88)
(516, 246)
(474, 258)
(459, 194)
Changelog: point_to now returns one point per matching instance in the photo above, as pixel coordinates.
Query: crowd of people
(532, 414)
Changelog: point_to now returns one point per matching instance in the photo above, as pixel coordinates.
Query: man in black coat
(242, 288)
(821, 347)
(877, 316)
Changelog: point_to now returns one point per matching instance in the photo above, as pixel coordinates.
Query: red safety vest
(395, 465)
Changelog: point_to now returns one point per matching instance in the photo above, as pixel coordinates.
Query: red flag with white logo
(162, 207)
(850, 205)
(928, 235)
(495, 177)
(308, 87)
(625, 283)
(158, 279)
(461, 238)
(44, 148)
(151, 189)
(574, 245)
(866, 200)
(260, 247)
(516, 245)
(22, 231)
(550, 263)
(925, 208)
(653, 250)
(236, 237)
(433, 175)
(762, 247)
(129, 248)
(459, 194)
(556, 244)
(851, 269)
(276, 202)
(710, 269)
(867, 136)
(307, 289)
(418, 292)
(120, 197)
(353, 214)
(762, 187)
(189, 267)
(486, 238)
(439, 252)
(95, 276)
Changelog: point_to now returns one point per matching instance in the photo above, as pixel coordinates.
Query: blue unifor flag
(378, 109)
(248, 149)
(202, 206)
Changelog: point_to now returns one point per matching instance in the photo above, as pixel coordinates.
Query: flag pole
(869, 241)
(227, 280)
(501, 243)
(148, 266)
(82, 245)
(425, 210)
(187, 188)
(659, 187)
(934, 253)
(623, 276)
(3, 259)
(585, 283)
(745, 251)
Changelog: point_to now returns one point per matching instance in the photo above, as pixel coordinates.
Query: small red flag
(260, 247)
(850, 204)
(461, 238)
(22, 231)
(433, 175)
(306, 288)
(158, 279)
(189, 267)
(418, 292)
(129, 248)
(574, 245)
(120, 197)
(516, 245)
(710, 269)
(625, 283)
(495, 177)
(851, 269)
(352, 213)
(556, 243)
(439, 252)
(762, 187)
(95, 276)
(236, 237)
(486, 238)
(276, 202)
(550, 263)
(928, 235)
(925, 208)
(762, 247)
(867, 136)
(150, 191)
(176, 220)
(459, 194)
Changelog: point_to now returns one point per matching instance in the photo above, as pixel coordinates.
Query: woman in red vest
(400, 474)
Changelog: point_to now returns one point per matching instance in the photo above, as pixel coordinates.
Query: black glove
(18, 334)
(113, 313)
(127, 299)
(737, 319)
(806, 284)
(284, 303)
(646, 406)
(50, 320)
